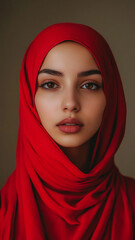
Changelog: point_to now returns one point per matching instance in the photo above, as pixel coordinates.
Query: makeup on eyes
(45, 77)
(94, 84)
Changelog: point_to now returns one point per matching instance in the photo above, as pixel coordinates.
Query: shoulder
(130, 189)
(130, 183)
(8, 193)
(9, 183)
(8, 200)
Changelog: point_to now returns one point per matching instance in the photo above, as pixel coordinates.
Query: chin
(70, 143)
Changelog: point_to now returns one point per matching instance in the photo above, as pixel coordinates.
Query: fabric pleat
(47, 196)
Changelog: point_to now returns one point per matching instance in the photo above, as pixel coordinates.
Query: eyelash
(95, 84)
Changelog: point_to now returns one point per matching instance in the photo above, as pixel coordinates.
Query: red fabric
(47, 197)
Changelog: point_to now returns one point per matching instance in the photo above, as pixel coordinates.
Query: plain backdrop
(21, 21)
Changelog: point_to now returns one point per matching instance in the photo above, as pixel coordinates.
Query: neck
(79, 156)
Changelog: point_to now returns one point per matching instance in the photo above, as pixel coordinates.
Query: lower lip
(70, 129)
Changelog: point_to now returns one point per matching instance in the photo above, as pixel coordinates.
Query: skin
(71, 96)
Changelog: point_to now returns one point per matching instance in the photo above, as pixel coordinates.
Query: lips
(70, 125)
(72, 121)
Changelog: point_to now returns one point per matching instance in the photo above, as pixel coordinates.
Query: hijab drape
(47, 196)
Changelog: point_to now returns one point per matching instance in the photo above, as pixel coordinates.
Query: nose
(70, 101)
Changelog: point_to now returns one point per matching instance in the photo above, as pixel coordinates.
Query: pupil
(50, 85)
(89, 85)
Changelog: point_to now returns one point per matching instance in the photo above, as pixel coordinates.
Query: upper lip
(70, 120)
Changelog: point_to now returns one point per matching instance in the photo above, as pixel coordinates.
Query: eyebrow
(81, 74)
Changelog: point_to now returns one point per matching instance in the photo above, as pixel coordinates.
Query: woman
(71, 122)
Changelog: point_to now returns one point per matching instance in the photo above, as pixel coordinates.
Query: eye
(91, 86)
(49, 85)
(88, 85)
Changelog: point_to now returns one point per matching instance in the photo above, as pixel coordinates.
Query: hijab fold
(47, 196)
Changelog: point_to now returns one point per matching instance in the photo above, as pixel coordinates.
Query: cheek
(95, 107)
(46, 108)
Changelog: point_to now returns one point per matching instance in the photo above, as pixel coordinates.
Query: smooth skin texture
(68, 95)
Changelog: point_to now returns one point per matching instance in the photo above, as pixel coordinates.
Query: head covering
(47, 196)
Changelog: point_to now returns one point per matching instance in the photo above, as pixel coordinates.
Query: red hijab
(47, 196)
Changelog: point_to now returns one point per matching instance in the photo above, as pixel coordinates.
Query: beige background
(21, 21)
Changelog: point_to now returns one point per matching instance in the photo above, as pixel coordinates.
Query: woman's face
(71, 93)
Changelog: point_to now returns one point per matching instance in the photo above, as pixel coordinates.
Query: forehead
(69, 46)
(69, 54)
